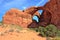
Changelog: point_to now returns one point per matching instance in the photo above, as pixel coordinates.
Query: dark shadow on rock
(34, 24)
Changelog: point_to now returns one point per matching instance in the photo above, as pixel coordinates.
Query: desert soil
(7, 33)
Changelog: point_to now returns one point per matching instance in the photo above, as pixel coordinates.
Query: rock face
(32, 11)
(51, 13)
(18, 17)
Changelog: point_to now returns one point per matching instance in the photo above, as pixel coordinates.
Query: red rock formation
(51, 14)
(18, 17)
(32, 10)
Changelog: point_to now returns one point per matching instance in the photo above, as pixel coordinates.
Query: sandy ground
(7, 33)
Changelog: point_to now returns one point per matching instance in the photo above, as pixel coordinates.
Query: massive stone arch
(44, 19)
(51, 14)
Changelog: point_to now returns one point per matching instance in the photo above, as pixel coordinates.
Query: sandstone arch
(53, 8)
(51, 14)
(44, 19)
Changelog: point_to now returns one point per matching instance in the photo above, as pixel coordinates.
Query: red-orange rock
(51, 14)
(15, 16)
(18, 17)
(32, 11)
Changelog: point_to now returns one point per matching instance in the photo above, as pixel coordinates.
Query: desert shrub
(48, 31)
(0, 21)
(55, 38)
(58, 33)
(35, 29)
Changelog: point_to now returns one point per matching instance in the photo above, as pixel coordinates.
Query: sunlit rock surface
(18, 17)
(50, 15)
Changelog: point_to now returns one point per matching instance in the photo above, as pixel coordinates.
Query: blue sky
(5, 5)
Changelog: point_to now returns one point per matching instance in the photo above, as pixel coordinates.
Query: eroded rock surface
(18, 17)
(51, 14)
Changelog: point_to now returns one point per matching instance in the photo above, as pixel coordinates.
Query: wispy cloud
(20, 4)
(6, 5)
(15, 3)
(41, 1)
(12, 4)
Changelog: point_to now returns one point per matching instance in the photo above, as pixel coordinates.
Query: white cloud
(24, 7)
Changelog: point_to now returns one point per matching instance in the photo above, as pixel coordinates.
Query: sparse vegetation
(17, 31)
(11, 30)
(58, 33)
(55, 38)
(0, 23)
(48, 31)
(15, 26)
(12, 26)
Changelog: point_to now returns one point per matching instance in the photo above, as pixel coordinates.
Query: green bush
(58, 33)
(48, 31)
(55, 38)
